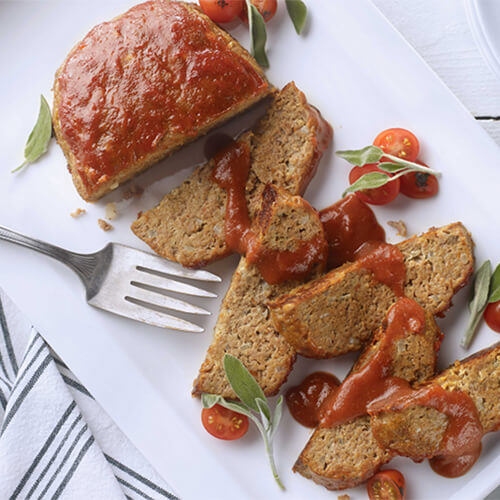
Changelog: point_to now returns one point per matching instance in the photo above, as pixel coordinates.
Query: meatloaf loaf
(188, 224)
(339, 311)
(144, 84)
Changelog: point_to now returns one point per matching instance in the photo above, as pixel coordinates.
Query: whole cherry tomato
(387, 485)
(222, 11)
(492, 316)
(419, 185)
(398, 142)
(266, 8)
(377, 196)
(223, 423)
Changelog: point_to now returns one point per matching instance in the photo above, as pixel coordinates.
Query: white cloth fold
(55, 439)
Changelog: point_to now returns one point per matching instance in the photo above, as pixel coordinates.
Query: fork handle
(81, 264)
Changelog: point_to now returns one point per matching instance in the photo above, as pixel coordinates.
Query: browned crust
(169, 144)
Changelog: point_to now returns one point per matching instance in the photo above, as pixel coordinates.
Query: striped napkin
(55, 439)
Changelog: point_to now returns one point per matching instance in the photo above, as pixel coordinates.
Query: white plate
(484, 21)
(362, 75)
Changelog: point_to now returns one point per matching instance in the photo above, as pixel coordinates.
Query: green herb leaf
(360, 157)
(297, 11)
(209, 400)
(258, 35)
(278, 411)
(495, 286)
(39, 137)
(244, 385)
(391, 168)
(478, 302)
(368, 181)
(265, 412)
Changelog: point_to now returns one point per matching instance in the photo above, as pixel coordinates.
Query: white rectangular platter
(364, 78)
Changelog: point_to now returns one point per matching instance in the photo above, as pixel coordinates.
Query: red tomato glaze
(305, 400)
(158, 69)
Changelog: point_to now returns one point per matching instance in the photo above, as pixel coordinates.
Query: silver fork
(129, 282)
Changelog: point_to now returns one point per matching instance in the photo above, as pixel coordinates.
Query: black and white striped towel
(55, 439)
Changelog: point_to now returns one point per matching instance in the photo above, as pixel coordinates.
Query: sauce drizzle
(359, 389)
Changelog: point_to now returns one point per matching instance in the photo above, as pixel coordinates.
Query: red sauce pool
(158, 69)
(305, 400)
(359, 389)
(348, 224)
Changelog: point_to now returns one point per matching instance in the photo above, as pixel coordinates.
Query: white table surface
(438, 30)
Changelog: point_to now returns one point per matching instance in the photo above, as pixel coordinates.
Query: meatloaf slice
(188, 224)
(338, 312)
(346, 455)
(139, 87)
(418, 430)
(243, 327)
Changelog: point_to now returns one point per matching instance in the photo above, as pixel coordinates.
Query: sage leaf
(39, 137)
(258, 35)
(360, 157)
(495, 286)
(265, 413)
(391, 168)
(278, 411)
(209, 400)
(297, 11)
(478, 302)
(244, 385)
(368, 181)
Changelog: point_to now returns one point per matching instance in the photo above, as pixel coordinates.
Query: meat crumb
(133, 191)
(344, 497)
(105, 226)
(399, 226)
(78, 213)
(111, 211)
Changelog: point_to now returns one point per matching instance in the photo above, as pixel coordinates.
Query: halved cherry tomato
(387, 485)
(266, 8)
(222, 11)
(398, 142)
(377, 196)
(492, 316)
(223, 423)
(419, 185)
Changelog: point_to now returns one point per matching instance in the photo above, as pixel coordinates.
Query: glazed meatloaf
(348, 454)
(339, 311)
(243, 327)
(188, 224)
(144, 84)
(418, 431)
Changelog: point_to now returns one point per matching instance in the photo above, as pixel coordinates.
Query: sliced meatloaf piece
(243, 327)
(418, 430)
(139, 87)
(188, 224)
(346, 455)
(338, 312)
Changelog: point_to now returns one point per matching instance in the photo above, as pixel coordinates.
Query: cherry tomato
(377, 196)
(223, 423)
(266, 8)
(387, 485)
(222, 11)
(398, 142)
(492, 316)
(419, 185)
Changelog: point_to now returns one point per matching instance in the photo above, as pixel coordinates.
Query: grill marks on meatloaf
(244, 328)
(338, 312)
(188, 224)
(418, 430)
(348, 454)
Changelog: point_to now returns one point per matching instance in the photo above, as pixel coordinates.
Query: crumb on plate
(344, 497)
(400, 227)
(111, 211)
(133, 191)
(105, 226)
(78, 213)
